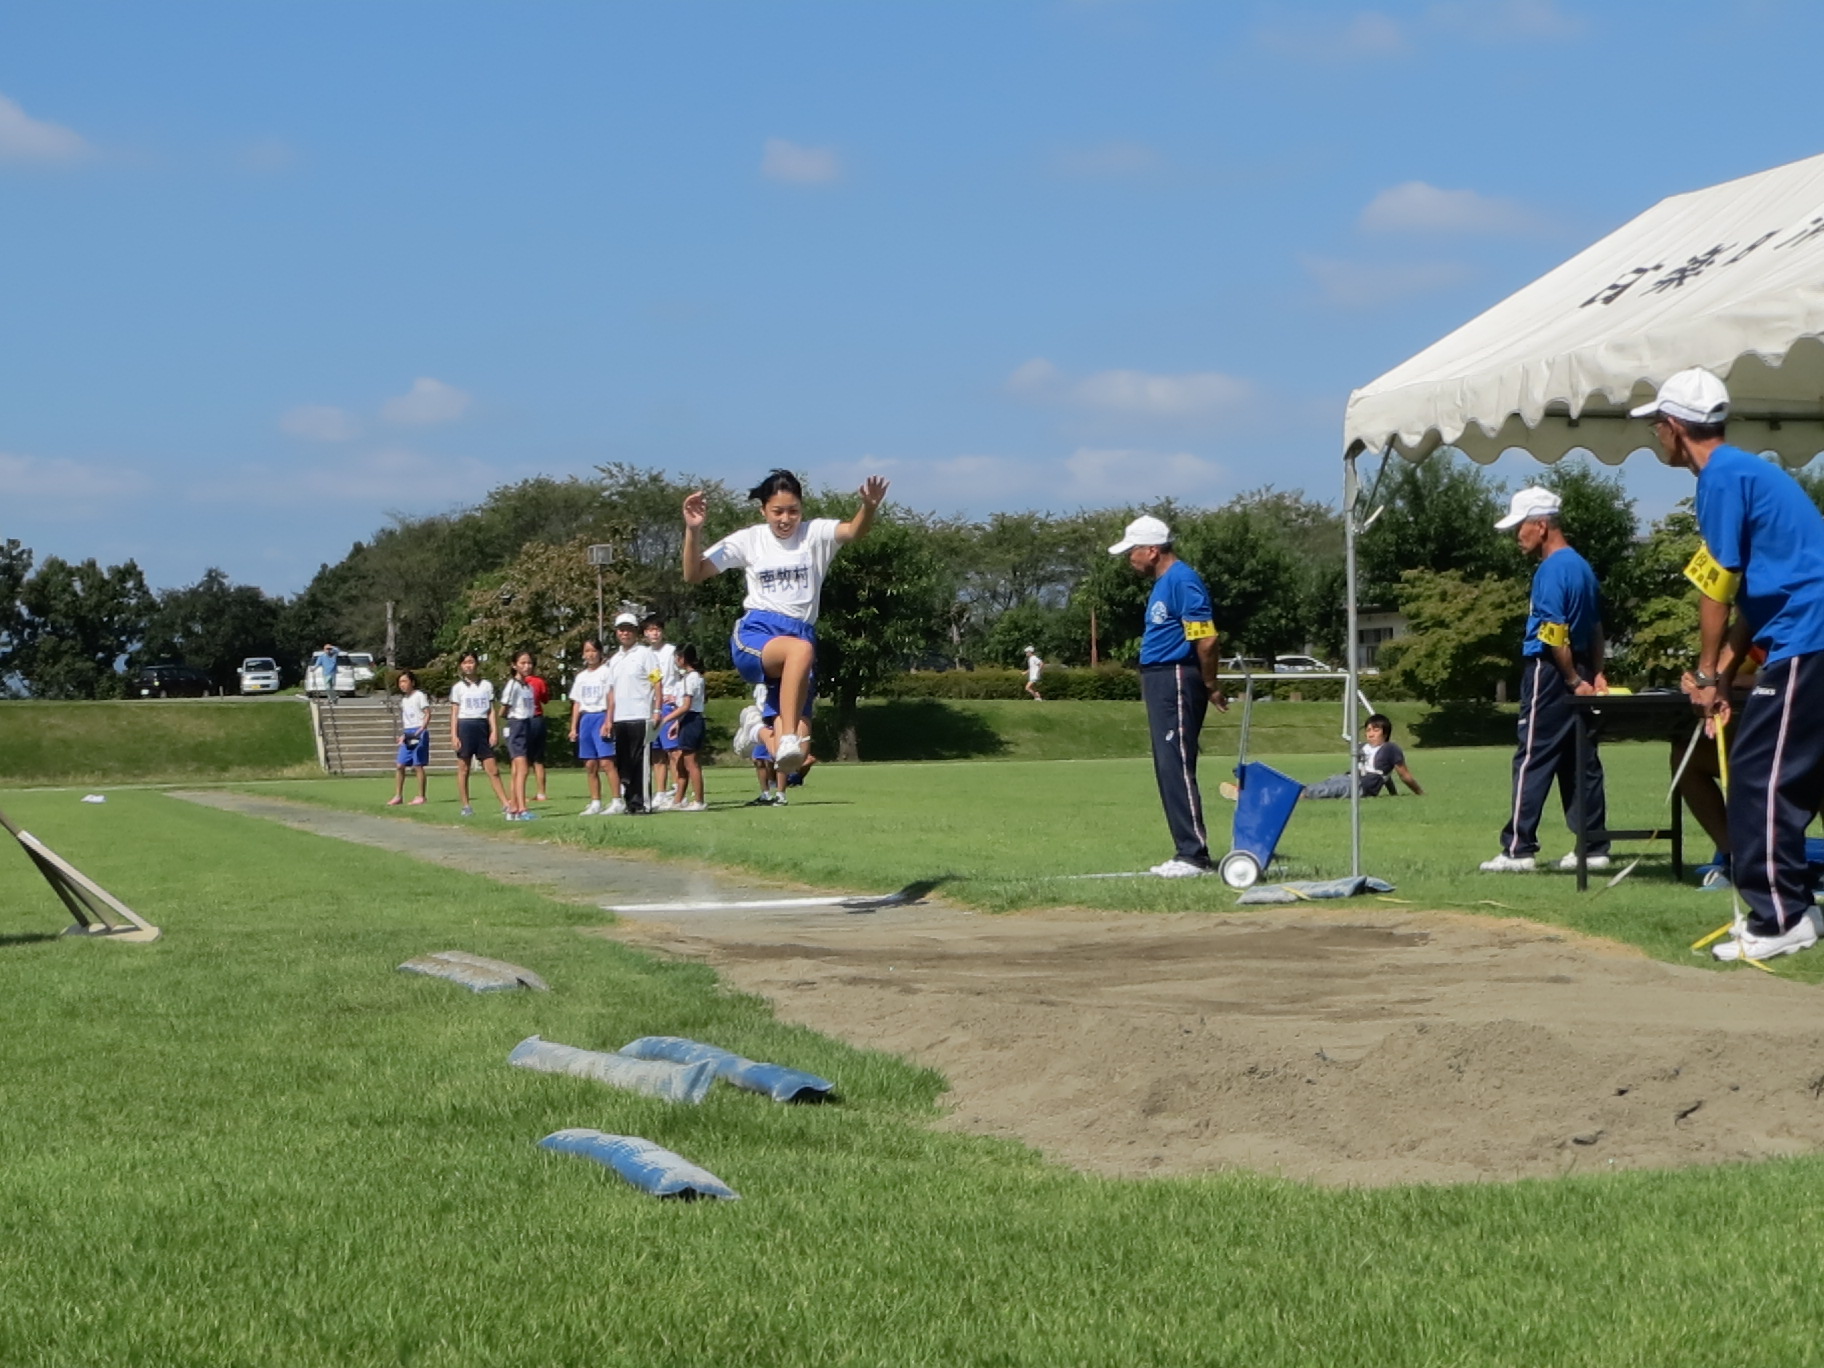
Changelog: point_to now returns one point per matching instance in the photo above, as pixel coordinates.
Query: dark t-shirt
(1377, 766)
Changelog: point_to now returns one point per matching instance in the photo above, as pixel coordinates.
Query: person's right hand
(696, 509)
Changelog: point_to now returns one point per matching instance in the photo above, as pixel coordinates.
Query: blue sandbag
(770, 1080)
(648, 1167)
(1305, 890)
(672, 1082)
(1263, 809)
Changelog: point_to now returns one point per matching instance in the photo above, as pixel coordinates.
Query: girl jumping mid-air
(786, 559)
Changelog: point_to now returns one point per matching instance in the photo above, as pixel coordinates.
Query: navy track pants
(1176, 704)
(1776, 781)
(1547, 755)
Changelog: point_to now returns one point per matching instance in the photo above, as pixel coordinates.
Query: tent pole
(1351, 715)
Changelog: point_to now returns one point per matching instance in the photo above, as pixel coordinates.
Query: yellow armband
(1196, 631)
(1555, 633)
(1712, 581)
(653, 676)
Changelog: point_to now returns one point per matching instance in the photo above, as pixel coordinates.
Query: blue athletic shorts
(519, 737)
(590, 743)
(535, 740)
(415, 753)
(753, 630)
(472, 739)
(667, 739)
(690, 732)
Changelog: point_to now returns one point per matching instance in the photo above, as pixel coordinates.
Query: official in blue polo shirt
(1762, 563)
(1178, 664)
(1560, 657)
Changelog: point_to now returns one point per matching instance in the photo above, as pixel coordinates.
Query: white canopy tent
(1730, 278)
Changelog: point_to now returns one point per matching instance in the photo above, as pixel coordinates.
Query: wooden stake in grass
(97, 911)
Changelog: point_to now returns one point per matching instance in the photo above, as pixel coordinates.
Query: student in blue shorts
(414, 739)
(786, 559)
(685, 723)
(1761, 576)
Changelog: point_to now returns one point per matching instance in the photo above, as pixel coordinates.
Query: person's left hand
(1602, 683)
(874, 490)
(1220, 700)
(1584, 689)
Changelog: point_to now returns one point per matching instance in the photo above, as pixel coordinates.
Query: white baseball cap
(1147, 531)
(626, 620)
(1692, 396)
(1030, 651)
(1531, 502)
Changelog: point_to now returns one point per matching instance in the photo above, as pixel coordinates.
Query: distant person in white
(664, 736)
(786, 559)
(474, 730)
(1034, 668)
(590, 727)
(633, 704)
(519, 705)
(414, 738)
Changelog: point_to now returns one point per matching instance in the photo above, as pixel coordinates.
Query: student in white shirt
(589, 725)
(665, 736)
(414, 738)
(474, 730)
(685, 720)
(519, 705)
(1034, 668)
(633, 704)
(786, 559)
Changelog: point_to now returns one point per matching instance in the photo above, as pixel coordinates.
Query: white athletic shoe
(1175, 868)
(1569, 862)
(693, 807)
(618, 808)
(1746, 945)
(593, 810)
(664, 803)
(1510, 864)
(789, 758)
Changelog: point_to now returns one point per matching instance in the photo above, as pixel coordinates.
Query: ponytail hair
(688, 654)
(778, 482)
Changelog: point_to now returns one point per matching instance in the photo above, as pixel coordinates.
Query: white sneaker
(617, 808)
(1510, 864)
(789, 758)
(664, 802)
(1569, 862)
(693, 807)
(1746, 945)
(1175, 868)
(593, 810)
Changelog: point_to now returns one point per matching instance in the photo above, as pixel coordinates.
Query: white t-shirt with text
(472, 701)
(784, 577)
(589, 690)
(414, 711)
(517, 698)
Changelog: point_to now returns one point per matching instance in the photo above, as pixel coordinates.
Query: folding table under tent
(1730, 278)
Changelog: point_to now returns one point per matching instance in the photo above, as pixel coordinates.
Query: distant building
(1374, 630)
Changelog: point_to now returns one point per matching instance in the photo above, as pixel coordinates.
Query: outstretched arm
(873, 491)
(696, 513)
(1411, 783)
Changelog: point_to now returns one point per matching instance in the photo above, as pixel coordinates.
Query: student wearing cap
(1034, 668)
(633, 704)
(1762, 561)
(1561, 657)
(1178, 665)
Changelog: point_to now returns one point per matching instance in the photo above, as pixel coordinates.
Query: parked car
(344, 681)
(363, 665)
(1300, 664)
(173, 681)
(1244, 665)
(259, 674)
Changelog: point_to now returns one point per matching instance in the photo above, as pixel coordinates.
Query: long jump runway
(1359, 1045)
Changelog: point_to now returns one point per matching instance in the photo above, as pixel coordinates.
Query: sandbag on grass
(1305, 890)
(770, 1080)
(653, 1078)
(647, 1166)
(475, 972)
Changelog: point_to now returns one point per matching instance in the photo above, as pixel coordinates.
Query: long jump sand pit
(1340, 1046)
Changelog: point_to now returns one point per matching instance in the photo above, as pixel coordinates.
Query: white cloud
(25, 139)
(33, 477)
(1111, 160)
(387, 477)
(320, 423)
(1505, 21)
(1365, 36)
(1132, 393)
(1362, 285)
(794, 164)
(428, 401)
(1105, 475)
(1415, 207)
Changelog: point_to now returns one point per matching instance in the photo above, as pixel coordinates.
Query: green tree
(1663, 643)
(214, 625)
(15, 570)
(1437, 515)
(1461, 638)
(78, 624)
(543, 601)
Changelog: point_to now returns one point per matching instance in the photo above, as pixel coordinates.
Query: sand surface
(1360, 1044)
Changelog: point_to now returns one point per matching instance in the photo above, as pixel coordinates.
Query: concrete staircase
(361, 736)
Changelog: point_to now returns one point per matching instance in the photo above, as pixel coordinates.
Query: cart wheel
(1239, 869)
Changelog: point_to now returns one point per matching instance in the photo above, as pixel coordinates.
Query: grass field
(153, 740)
(254, 1142)
(1012, 834)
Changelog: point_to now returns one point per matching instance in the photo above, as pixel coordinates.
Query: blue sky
(276, 272)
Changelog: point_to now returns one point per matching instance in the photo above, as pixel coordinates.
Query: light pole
(599, 555)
